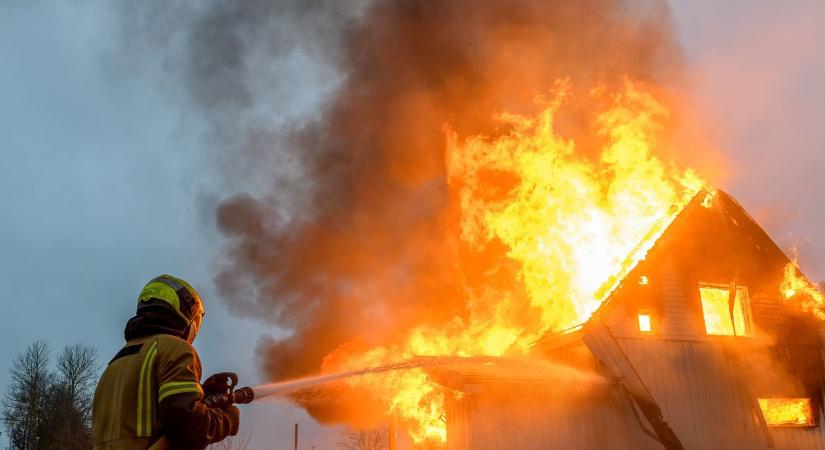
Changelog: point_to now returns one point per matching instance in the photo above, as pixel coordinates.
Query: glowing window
(787, 412)
(723, 318)
(645, 325)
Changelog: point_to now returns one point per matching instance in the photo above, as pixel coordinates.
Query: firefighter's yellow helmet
(177, 294)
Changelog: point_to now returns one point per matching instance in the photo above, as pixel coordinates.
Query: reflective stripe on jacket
(148, 370)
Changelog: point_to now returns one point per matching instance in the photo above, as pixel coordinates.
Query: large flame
(573, 226)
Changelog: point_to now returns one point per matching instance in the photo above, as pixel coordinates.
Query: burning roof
(742, 234)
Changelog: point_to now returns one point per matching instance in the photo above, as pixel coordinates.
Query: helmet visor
(195, 326)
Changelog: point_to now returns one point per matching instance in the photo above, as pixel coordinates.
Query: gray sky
(101, 183)
(759, 72)
(98, 195)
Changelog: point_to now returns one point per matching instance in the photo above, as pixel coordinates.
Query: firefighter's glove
(216, 384)
(234, 417)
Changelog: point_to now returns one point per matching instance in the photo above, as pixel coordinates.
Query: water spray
(283, 388)
(248, 394)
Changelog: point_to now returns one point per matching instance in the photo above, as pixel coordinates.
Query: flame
(796, 287)
(720, 319)
(787, 411)
(574, 226)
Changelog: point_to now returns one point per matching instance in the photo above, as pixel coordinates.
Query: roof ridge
(653, 245)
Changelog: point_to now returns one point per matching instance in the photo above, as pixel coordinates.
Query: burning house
(696, 348)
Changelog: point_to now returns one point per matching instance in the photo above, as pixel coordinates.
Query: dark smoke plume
(343, 232)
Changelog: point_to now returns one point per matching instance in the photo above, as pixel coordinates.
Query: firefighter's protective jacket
(151, 389)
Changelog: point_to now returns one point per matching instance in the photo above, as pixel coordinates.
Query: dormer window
(726, 313)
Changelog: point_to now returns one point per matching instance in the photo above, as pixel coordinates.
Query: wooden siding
(702, 388)
(561, 418)
(678, 315)
(721, 245)
(705, 394)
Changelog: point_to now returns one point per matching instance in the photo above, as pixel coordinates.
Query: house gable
(712, 243)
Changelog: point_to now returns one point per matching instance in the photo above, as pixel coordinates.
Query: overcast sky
(100, 174)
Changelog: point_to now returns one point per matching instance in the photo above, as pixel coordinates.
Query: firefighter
(151, 388)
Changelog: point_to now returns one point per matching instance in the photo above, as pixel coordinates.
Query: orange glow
(797, 288)
(787, 412)
(573, 228)
(643, 280)
(720, 319)
(645, 323)
(715, 310)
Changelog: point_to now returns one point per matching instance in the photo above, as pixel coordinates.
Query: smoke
(326, 120)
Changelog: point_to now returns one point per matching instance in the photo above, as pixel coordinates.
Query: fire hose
(232, 396)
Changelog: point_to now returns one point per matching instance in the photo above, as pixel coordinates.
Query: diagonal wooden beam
(604, 347)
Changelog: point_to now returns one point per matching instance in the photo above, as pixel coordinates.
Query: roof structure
(717, 210)
(712, 240)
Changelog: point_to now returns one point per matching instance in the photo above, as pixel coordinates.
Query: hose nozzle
(243, 395)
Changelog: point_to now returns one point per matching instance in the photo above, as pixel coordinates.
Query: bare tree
(50, 411)
(26, 401)
(372, 439)
(77, 372)
(232, 443)
(70, 421)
